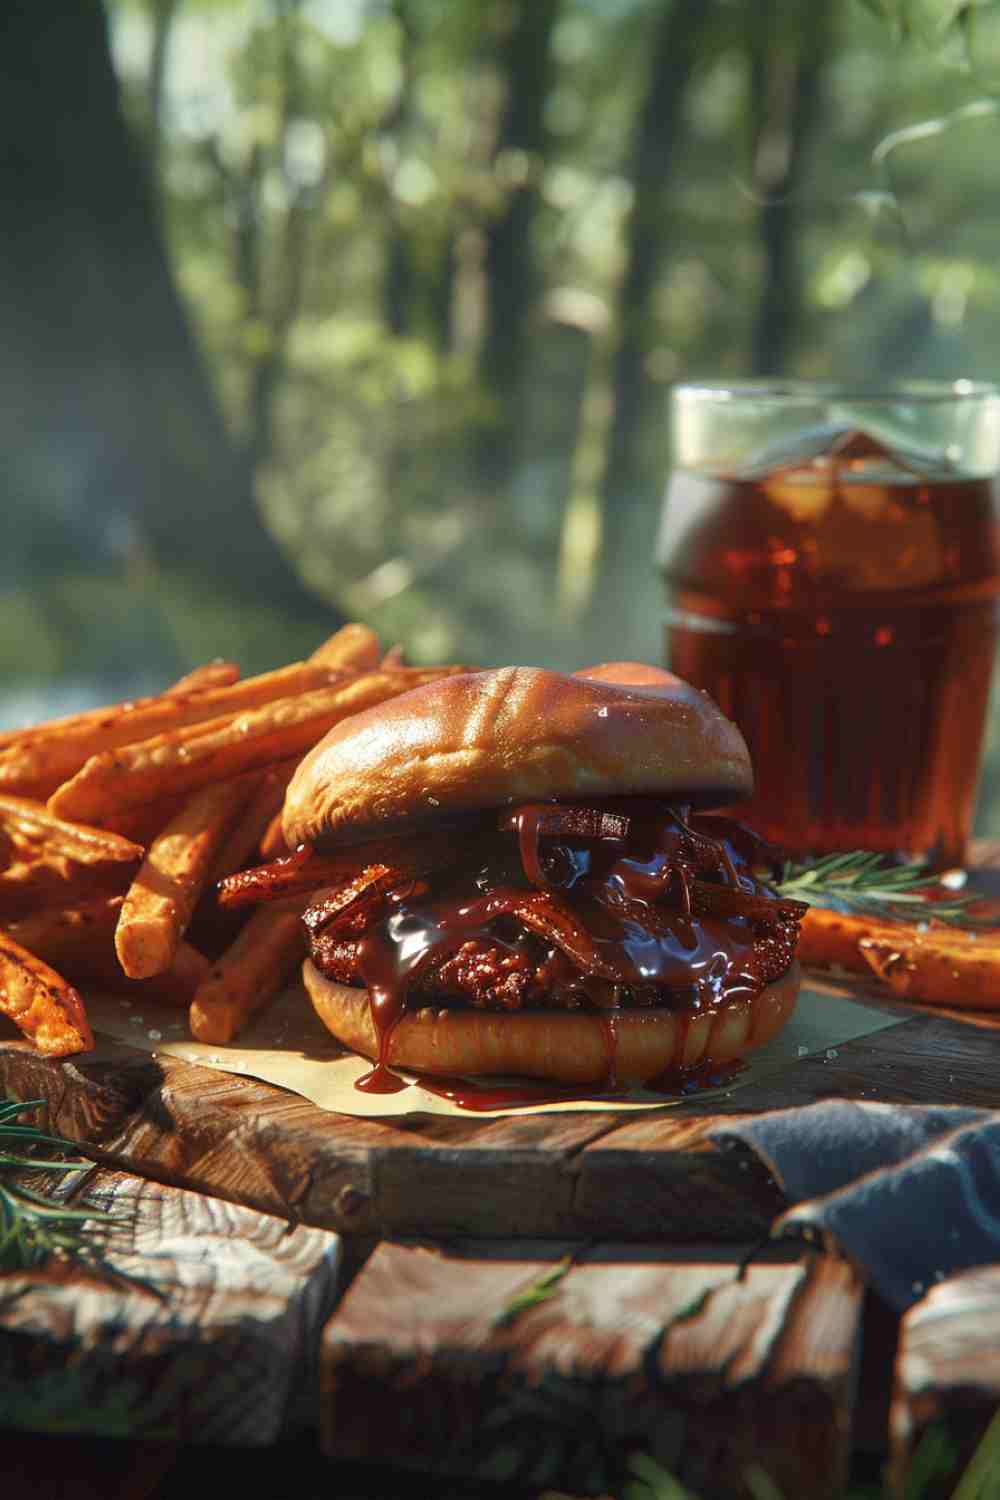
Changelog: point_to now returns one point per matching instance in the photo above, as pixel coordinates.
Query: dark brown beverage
(840, 607)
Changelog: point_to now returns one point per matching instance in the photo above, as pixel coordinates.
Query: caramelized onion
(333, 907)
(553, 818)
(712, 853)
(547, 916)
(725, 901)
(288, 876)
(305, 870)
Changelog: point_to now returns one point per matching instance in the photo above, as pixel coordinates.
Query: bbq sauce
(380, 1080)
(630, 893)
(529, 1093)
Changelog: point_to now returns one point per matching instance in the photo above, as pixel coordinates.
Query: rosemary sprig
(870, 885)
(32, 1226)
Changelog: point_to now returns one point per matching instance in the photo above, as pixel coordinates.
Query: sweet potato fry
(40, 764)
(829, 939)
(176, 985)
(65, 935)
(79, 941)
(941, 966)
(162, 897)
(51, 880)
(250, 827)
(48, 862)
(47, 1009)
(142, 824)
(192, 757)
(353, 648)
(213, 674)
(924, 961)
(272, 844)
(29, 822)
(249, 973)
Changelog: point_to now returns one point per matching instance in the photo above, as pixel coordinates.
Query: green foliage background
(443, 261)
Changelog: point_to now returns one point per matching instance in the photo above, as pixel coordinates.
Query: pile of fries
(116, 824)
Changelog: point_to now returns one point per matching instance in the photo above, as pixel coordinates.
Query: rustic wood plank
(255, 1144)
(427, 1363)
(564, 1174)
(444, 1175)
(657, 1174)
(198, 1322)
(927, 1059)
(947, 1380)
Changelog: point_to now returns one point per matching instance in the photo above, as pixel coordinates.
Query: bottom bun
(567, 1046)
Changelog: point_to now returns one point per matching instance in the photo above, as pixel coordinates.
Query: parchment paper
(287, 1046)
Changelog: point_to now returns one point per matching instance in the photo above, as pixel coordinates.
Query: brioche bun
(566, 1047)
(517, 734)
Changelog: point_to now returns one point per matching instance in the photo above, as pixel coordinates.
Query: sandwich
(518, 873)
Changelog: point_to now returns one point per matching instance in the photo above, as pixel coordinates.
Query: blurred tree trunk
(560, 368)
(275, 308)
(787, 60)
(525, 63)
(656, 137)
(163, 14)
(419, 258)
(441, 298)
(400, 279)
(109, 418)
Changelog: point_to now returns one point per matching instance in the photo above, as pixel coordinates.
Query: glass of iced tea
(832, 559)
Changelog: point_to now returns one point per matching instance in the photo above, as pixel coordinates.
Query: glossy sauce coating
(625, 898)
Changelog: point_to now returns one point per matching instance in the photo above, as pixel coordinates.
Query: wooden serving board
(596, 1174)
(605, 1175)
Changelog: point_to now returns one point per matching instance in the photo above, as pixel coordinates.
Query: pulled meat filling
(629, 903)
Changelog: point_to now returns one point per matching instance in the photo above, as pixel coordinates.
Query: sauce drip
(380, 1080)
(529, 1093)
(527, 822)
(609, 1028)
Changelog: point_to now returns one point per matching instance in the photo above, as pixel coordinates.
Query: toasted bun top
(516, 734)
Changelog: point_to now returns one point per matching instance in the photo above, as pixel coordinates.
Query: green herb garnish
(871, 885)
(539, 1291)
(32, 1226)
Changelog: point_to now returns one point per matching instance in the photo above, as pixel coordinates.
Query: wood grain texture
(600, 1174)
(947, 1379)
(258, 1145)
(198, 1322)
(709, 1371)
(656, 1173)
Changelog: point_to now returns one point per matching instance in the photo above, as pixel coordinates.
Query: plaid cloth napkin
(910, 1193)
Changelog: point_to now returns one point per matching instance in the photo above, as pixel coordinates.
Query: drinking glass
(832, 561)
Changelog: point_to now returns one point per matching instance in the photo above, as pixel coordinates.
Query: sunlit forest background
(327, 309)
